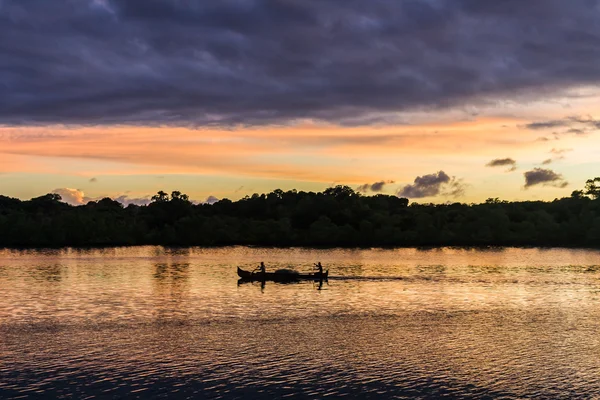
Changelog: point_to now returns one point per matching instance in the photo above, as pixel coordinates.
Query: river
(153, 322)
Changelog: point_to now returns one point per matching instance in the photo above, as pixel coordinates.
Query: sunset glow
(135, 118)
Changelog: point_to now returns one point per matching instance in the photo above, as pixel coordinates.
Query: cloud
(455, 188)
(557, 154)
(93, 180)
(210, 200)
(545, 177)
(257, 62)
(501, 162)
(432, 185)
(126, 200)
(559, 151)
(578, 125)
(74, 197)
(77, 197)
(373, 187)
(425, 186)
(534, 126)
(586, 120)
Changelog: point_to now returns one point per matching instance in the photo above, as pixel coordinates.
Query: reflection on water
(317, 284)
(155, 322)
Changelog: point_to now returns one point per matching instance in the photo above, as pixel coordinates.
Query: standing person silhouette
(319, 267)
(260, 272)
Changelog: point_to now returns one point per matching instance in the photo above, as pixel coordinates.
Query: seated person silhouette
(261, 268)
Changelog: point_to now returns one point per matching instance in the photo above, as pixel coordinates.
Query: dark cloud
(587, 121)
(503, 162)
(578, 125)
(173, 62)
(547, 161)
(433, 185)
(373, 187)
(546, 177)
(93, 180)
(547, 124)
(425, 186)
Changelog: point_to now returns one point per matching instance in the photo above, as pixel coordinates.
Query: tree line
(338, 216)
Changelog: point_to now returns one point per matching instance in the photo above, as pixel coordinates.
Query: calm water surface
(151, 322)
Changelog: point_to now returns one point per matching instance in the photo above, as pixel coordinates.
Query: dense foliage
(336, 217)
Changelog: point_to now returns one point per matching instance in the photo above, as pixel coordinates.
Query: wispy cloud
(557, 154)
(548, 124)
(374, 187)
(578, 125)
(455, 188)
(281, 153)
(503, 162)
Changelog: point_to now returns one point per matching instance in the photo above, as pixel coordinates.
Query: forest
(338, 216)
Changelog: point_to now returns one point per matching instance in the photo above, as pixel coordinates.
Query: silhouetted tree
(337, 216)
(178, 196)
(340, 191)
(160, 197)
(577, 194)
(592, 188)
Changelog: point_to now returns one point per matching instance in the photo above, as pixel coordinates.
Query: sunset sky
(435, 100)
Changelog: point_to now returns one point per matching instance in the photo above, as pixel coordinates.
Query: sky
(434, 100)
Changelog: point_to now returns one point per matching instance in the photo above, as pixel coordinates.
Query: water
(150, 322)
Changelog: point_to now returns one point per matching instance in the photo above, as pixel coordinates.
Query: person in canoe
(261, 268)
(319, 267)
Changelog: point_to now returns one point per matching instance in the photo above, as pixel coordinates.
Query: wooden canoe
(280, 276)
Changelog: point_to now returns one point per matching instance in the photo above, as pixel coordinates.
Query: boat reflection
(317, 284)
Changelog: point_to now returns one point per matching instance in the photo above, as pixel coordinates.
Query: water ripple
(160, 323)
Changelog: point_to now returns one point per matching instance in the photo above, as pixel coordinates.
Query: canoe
(280, 276)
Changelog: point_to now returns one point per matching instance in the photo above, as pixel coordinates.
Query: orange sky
(305, 156)
(138, 161)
